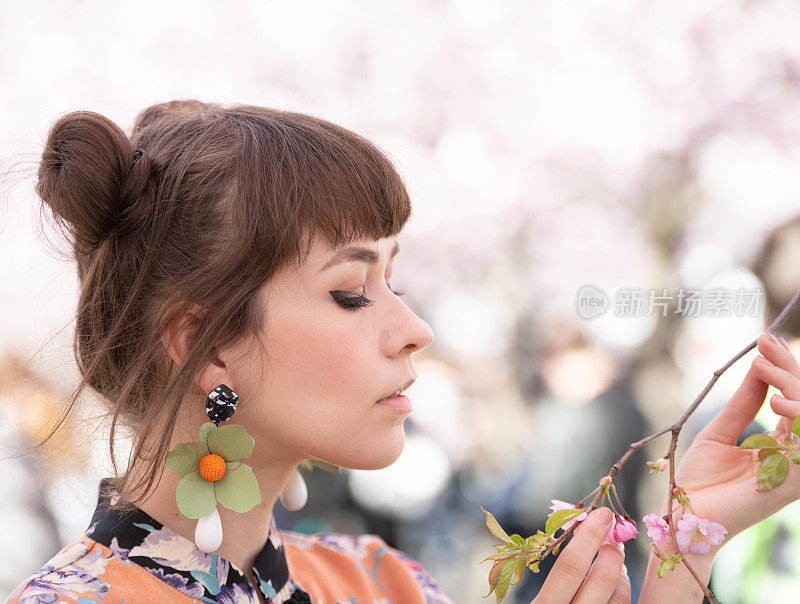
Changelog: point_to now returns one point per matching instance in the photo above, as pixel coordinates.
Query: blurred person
(237, 260)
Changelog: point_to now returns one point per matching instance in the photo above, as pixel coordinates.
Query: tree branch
(675, 430)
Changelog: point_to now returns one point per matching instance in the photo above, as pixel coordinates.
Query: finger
(603, 577)
(784, 407)
(778, 353)
(783, 380)
(739, 411)
(622, 594)
(784, 427)
(574, 561)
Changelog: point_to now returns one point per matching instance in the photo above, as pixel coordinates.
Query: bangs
(312, 176)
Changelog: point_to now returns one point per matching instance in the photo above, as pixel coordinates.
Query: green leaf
(796, 458)
(538, 539)
(195, 495)
(764, 453)
(665, 567)
(206, 429)
(517, 539)
(559, 518)
(185, 457)
(504, 580)
(238, 489)
(759, 441)
(495, 528)
(796, 425)
(772, 471)
(231, 442)
(494, 573)
(519, 567)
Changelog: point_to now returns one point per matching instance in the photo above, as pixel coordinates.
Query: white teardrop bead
(295, 493)
(208, 533)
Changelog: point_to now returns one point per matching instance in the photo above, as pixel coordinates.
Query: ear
(177, 338)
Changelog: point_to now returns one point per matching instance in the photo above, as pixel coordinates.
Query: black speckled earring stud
(221, 404)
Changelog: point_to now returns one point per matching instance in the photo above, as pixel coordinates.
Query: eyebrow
(358, 254)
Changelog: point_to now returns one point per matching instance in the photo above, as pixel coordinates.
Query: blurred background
(578, 171)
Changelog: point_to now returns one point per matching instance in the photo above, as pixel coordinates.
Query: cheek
(324, 362)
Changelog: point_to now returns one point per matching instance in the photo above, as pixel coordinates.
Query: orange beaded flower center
(212, 467)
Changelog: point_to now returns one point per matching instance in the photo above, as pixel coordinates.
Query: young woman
(236, 313)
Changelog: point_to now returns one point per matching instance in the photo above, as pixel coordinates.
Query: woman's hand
(719, 478)
(607, 579)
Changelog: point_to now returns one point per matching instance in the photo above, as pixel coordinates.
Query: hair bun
(86, 160)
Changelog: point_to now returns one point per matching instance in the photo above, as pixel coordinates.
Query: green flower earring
(213, 470)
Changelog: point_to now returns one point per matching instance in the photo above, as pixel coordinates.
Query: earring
(295, 493)
(213, 470)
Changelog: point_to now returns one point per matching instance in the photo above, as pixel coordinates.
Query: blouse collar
(141, 539)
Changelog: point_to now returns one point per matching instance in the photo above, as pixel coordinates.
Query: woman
(238, 260)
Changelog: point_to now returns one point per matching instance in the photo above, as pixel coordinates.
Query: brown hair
(217, 200)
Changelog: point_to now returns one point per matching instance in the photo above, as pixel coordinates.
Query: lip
(401, 389)
(398, 403)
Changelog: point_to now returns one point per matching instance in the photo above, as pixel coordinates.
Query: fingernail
(778, 396)
(785, 345)
(772, 338)
(624, 570)
(621, 547)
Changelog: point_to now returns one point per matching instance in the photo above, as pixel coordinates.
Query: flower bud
(659, 465)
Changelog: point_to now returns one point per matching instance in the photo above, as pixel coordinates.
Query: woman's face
(310, 390)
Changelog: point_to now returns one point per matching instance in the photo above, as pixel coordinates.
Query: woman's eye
(349, 299)
(352, 300)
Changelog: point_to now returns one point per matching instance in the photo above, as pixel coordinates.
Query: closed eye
(353, 300)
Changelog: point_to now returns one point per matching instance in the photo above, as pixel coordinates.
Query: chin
(371, 455)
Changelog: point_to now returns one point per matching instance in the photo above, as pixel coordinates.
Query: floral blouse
(131, 558)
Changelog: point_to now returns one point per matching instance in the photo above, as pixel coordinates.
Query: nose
(409, 333)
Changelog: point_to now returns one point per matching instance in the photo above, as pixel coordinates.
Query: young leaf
(665, 566)
(497, 557)
(764, 453)
(504, 580)
(538, 539)
(796, 425)
(559, 518)
(668, 564)
(772, 471)
(796, 458)
(494, 574)
(759, 441)
(519, 568)
(517, 539)
(495, 528)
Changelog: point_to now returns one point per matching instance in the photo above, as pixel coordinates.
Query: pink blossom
(563, 505)
(657, 527)
(697, 535)
(625, 529)
(622, 529)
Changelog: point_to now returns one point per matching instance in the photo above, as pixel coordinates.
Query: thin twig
(675, 430)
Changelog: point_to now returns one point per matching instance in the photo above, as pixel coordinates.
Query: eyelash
(355, 302)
